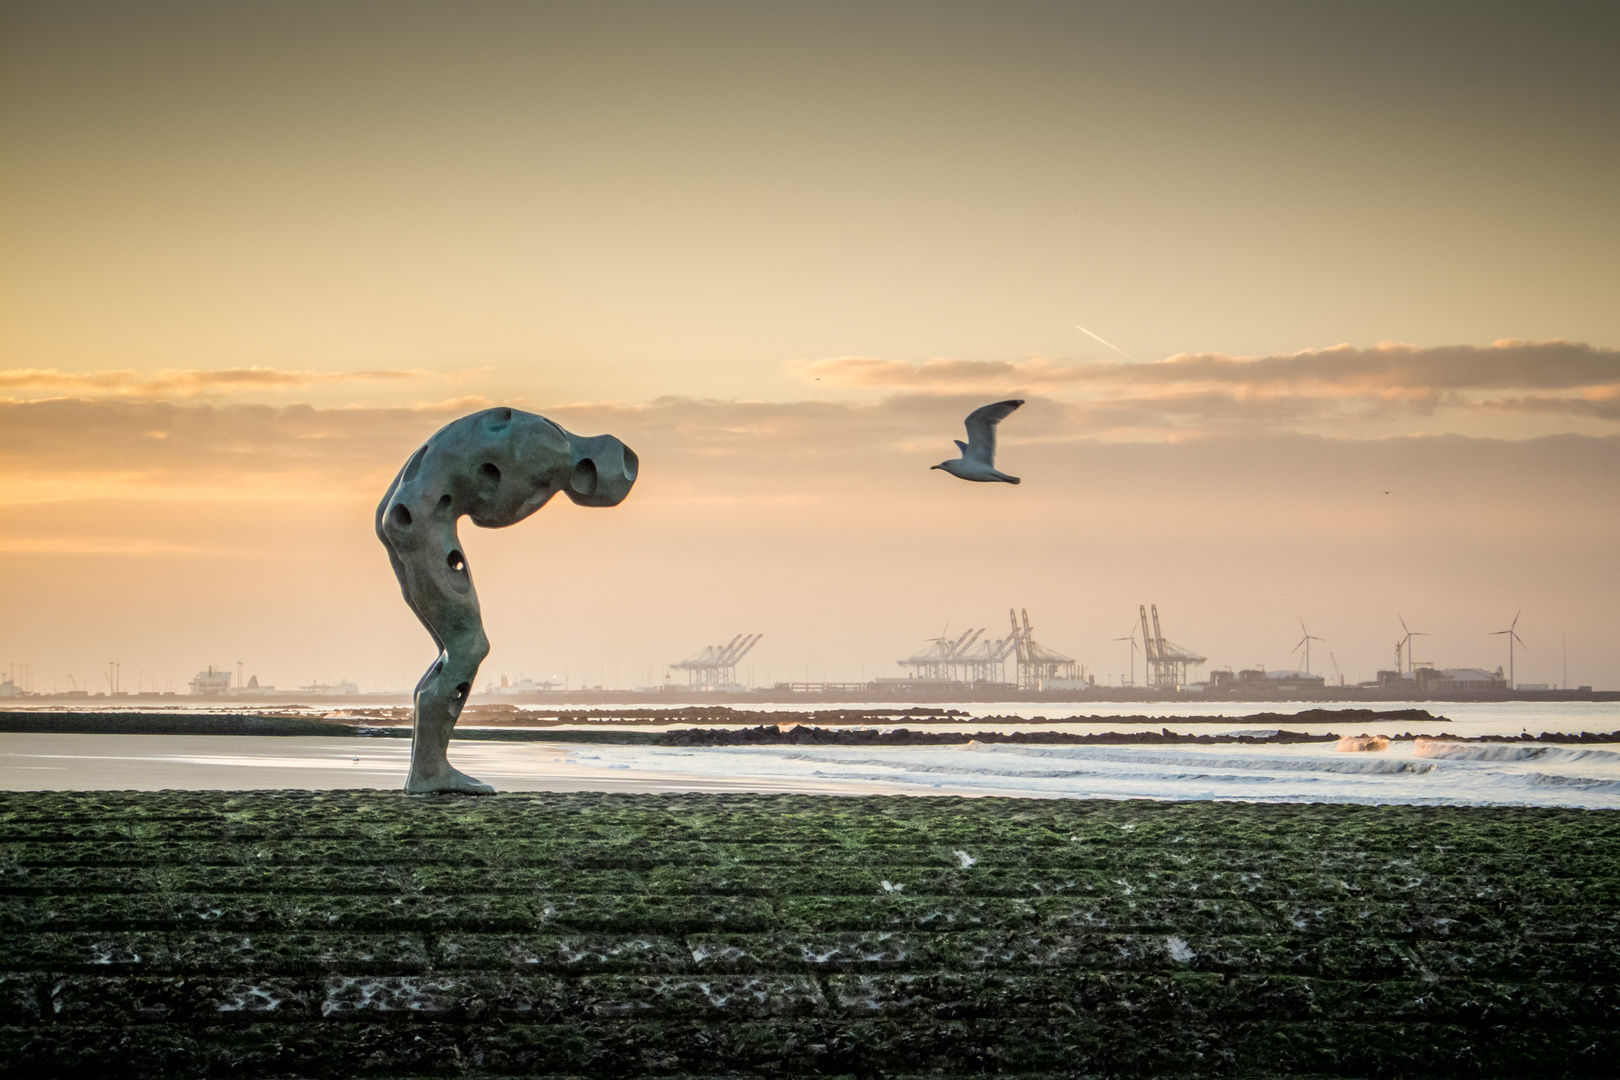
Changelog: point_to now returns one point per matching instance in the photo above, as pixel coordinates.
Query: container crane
(1166, 661)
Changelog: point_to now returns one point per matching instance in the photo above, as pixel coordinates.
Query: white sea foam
(1435, 748)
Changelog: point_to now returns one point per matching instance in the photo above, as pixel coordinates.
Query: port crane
(969, 657)
(1037, 664)
(715, 667)
(1166, 661)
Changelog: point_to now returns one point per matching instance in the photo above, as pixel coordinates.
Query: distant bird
(978, 460)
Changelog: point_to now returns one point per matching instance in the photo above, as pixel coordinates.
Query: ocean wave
(1582, 783)
(899, 772)
(1478, 775)
(1428, 748)
(1159, 762)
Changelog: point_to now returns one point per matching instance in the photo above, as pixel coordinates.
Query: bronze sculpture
(496, 467)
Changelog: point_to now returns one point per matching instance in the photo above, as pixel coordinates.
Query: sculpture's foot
(450, 781)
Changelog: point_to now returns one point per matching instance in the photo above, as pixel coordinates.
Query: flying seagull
(978, 460)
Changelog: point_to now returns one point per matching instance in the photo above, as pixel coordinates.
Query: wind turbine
(1406, 642)
(1132, 640)
(1306, 642)
(1512, 636)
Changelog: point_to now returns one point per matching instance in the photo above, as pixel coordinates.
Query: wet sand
(1526, 774)
(36, 762)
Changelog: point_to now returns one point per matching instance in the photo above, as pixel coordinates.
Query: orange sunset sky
(1359, 265)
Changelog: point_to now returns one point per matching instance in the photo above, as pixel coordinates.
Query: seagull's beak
(931, 468)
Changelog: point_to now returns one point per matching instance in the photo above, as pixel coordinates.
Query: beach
(1409, 770)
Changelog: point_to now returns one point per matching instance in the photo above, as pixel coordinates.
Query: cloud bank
(179, 429)
(162, 384)
(1342, 384)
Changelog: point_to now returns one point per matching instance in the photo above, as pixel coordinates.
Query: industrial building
(1265, 683)
(321, 689)
(1427, 680)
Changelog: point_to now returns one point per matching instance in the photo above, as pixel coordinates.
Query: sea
(1407, 770)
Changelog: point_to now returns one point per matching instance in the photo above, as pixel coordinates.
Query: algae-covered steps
(370, 934)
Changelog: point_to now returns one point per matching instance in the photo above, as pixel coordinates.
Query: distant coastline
(825, 694)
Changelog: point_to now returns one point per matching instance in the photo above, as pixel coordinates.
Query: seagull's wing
(981, 429)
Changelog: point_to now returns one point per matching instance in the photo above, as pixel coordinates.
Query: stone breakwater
(353, 934)
(397, 721)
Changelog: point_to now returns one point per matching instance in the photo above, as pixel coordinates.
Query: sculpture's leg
(441, 594)
(439, 699)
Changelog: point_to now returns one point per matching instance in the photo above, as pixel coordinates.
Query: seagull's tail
(1004, 478)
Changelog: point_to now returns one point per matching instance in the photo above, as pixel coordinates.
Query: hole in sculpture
(631, 464)
(498, 419)
(584, 479)
(401, 516)
(444, 505)
(413, 465)
(488, 475)
(457, 562)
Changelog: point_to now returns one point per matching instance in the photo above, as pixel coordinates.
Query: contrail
(1110, 344)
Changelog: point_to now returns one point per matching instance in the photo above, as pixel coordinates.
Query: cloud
(165, 383)
(697, 451)
(1602, 403)
(199, 439)
(1337, 385)
(693, 450)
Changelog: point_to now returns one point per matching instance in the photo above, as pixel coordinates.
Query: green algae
(371, 934)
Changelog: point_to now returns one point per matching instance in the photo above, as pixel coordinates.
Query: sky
(1346, 276)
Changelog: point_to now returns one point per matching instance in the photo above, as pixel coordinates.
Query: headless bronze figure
(496, 467)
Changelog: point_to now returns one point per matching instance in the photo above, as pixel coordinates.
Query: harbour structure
(1427, 680)
(941, 661)
(522, 685)
(211, 683)
(1167, 662)
(321, 689)
(970, 659)
(1263, 683)
(986, 663)
(715, 667)
(1037, 665)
